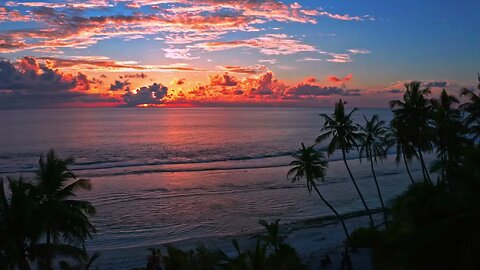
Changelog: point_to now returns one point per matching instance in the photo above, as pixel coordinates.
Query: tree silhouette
(411, 120)
(310, 164)
(62, 217)
(374, 143)
(344, 136)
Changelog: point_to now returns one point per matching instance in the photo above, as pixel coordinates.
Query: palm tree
(344, 135)
(17, 224)
(272, 237)
(311, 165)
(61, 215)
(405, 150)
(450, 132)
(374, 145)
(412, 116)
(472, 120)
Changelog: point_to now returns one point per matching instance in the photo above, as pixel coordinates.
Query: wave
(93, 168)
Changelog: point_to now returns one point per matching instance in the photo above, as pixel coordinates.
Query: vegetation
(434, 224)
(344, 136)
(269, 253)
(40, 220)
(375, 141)
(310, 164)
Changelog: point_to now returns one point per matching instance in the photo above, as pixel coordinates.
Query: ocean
(189, 174)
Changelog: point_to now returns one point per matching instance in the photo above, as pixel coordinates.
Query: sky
(162, 53)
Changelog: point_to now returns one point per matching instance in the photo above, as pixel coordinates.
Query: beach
(176, 178)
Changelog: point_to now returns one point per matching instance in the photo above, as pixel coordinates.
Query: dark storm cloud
(120, 85)
(315, 90)
(152, 94)
(30, 84)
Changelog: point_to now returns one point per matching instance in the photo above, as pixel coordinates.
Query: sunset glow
(148, 53)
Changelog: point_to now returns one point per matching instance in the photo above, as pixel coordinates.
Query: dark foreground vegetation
(433, 225)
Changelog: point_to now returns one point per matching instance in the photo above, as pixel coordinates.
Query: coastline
(312, 238)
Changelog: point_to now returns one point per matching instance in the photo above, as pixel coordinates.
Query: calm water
(165, 175)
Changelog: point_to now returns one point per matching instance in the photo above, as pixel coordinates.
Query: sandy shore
(313, 239)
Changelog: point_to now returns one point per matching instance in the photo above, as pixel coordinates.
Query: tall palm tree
(450, 132)
(374, 145)
(61, 215)
(411, 119)
(344, 135)
(472, 107)
(311, 165)
(17, 224)
(405, 150)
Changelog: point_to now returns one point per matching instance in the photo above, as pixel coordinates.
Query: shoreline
(312, 238)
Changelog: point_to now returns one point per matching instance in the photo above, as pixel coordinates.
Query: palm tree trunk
(334, 211)
(408, 169)
(444, 165)
(424, 167)
(48, 259)
(22, 262)
(358, 190)
(379, 193)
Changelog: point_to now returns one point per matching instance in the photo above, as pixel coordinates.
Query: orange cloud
(105, 64)
(335, 79)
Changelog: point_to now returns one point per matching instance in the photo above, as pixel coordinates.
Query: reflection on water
(163, 175)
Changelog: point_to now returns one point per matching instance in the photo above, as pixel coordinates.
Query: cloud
(146, 95)
(120, 85)
(359, 51)
(395, 91)
(106, 64)
(264, 89)
(339, 58)
(309, 59)
(305, 89)
(269, 61)
(344, 17)
(245, 69)
(137, 76)
(344, 57)
(180, 81)
(439, 84)
(223, 80)
(30, 84)
(269, 44)
(179, 53)
(8, 15)
(335, 79)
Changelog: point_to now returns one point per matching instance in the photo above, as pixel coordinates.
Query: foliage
(432, 228)
(365, 237)
(343, 135)
(260, 257)
(44, 210)
(310, 164)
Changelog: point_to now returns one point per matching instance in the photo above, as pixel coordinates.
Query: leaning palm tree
(344, 135)
(411, 116)
(374, 145)
(311, 165)
(62, 217)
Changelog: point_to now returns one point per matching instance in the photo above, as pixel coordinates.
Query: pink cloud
(270, 44)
